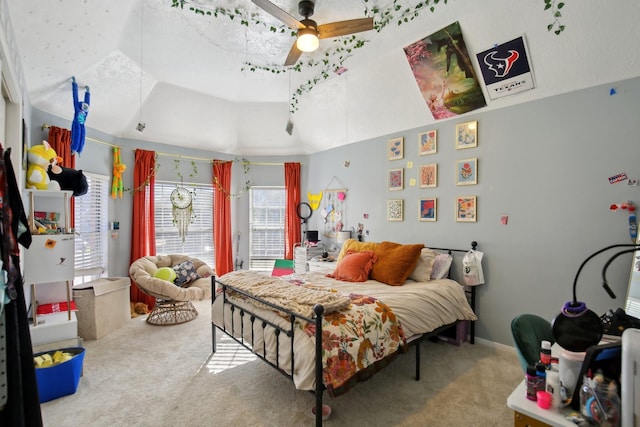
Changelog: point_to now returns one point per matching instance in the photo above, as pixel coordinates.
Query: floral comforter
(356, 341)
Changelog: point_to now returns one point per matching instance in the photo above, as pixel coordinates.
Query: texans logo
(501, 66)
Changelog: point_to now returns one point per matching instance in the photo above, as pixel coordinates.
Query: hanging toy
(81, 110)
(118, 169)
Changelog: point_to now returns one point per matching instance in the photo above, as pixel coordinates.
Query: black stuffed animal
(69, 179)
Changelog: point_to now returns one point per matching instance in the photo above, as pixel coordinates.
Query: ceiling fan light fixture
(307, 40)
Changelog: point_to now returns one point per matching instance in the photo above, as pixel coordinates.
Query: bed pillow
(354, 245)
(185, 273)
(354, 267)
(395, 262)
(441, 266)
(424, 266)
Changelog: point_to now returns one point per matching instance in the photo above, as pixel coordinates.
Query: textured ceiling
(181, 73)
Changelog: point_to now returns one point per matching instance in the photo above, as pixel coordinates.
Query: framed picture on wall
(395, 148)
(395, 179)
(395, 209)
(429, 175)
(466, 209)
(467, 135)
(428, 209)
(427, 142)
(467, 172)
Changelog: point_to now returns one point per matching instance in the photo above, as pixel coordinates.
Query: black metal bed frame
(318, 310)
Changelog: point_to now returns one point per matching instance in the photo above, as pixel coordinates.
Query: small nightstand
(321, 265)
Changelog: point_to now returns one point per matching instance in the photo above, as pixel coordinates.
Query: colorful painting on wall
(443, 70)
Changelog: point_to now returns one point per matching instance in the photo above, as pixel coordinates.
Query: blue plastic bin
(61, 379)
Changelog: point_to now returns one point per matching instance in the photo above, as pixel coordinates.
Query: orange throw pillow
(395, 262)
(354, 267)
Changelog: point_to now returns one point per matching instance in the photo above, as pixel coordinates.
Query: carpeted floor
(143, 375)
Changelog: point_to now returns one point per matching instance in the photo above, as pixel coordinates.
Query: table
(527, 413)
(321, 265)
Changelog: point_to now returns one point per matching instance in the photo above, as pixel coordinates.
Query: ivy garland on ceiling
(343, 47)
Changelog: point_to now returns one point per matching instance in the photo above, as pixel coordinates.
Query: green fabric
(529, 330)
(282, 267)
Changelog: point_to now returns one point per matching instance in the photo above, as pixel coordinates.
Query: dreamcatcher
(182, 203)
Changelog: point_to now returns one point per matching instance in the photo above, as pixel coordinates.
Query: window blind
(91, 226)
(266, 226)
(198, 242)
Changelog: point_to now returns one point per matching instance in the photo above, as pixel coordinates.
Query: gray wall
(545, 164)
(98, 158)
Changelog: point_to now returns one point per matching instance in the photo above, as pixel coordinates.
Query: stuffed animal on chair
(39, 158)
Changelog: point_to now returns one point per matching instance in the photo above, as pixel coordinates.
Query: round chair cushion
(144, 270)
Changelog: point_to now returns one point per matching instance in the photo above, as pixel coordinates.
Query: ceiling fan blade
(342, 28)
(279, 13)
(294, 55)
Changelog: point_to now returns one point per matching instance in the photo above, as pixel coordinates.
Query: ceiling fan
(309, 32)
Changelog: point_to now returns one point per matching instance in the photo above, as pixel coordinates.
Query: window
(266, 226)
(198, 242)
(91, 227)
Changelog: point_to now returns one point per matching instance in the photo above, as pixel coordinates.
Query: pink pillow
(354, 267)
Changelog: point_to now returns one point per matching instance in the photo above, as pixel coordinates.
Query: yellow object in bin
(58, 378)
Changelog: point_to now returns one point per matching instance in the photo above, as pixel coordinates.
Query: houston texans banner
(505, 69)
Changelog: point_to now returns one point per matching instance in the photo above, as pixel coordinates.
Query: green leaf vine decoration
(194, 168)
(343, 47)
(555, 26)
(246, 164)
(147, 180)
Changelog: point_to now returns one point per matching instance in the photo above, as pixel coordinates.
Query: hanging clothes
(23, 404)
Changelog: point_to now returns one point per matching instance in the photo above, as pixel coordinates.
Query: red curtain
(292, 233)
(143, 235)
(222, 216)
(60, 141)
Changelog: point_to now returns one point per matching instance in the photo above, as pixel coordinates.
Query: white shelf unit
(49, 268)
(302, 255)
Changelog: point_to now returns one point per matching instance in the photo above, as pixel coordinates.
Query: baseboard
(494, 344)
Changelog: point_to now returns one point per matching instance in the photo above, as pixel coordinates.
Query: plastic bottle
(553, 388)
(545, 353)
(541, 373)
(532, 382)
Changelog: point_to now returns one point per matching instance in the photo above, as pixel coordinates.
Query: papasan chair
(173, 301)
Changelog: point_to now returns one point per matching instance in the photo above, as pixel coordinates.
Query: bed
(327, 334)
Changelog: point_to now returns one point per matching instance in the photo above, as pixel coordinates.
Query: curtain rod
(46, 126)
(211, 160)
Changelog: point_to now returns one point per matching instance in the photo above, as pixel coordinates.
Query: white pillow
(422, 272)
(441, 266)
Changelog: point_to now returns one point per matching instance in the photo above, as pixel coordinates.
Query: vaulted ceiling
(185, 75)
